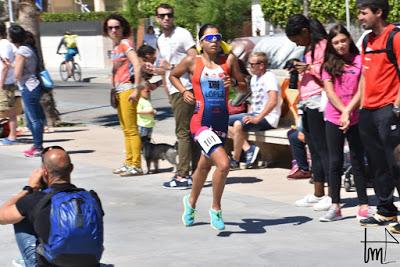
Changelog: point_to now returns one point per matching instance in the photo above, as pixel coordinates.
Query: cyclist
(69, 42)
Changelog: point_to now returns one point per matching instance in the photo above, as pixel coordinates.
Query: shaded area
(68, 130)
(242, 180)
(107, 120)
(87, 79)
(163, 113)
(84, 109)
(57, 140)
(70, 85)
(353, 201)
(257, 226)
(160, 170)
(83, 151)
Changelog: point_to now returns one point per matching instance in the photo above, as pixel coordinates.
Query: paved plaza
(143, 221)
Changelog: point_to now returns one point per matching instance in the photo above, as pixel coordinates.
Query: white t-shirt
(7, 51)
(260, 86)
(173, 49)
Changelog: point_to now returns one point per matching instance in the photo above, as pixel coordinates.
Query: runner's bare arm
(186, 65)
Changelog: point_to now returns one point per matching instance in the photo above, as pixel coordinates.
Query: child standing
(145, 114)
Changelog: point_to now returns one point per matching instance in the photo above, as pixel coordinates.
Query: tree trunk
(28, 17)
(305, 8)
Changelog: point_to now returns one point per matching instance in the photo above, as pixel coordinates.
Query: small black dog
(154, 152)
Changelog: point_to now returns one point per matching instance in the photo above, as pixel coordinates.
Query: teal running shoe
(188, 213)
(216, 220)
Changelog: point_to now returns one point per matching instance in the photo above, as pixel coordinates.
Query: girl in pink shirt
(341, 73)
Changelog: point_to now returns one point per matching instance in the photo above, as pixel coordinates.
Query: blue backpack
(76, 227)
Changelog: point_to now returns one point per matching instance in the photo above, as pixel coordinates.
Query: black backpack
(388, 50)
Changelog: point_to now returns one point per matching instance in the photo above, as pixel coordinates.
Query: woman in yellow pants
(124, 59)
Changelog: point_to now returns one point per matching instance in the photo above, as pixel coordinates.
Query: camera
(294, 74)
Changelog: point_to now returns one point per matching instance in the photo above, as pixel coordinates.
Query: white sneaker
(307, 201)
(324, 204)
(18, 263)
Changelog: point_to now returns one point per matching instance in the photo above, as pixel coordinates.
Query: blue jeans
(34, 114)
(298, 149)
(26, 241)
(263, 125)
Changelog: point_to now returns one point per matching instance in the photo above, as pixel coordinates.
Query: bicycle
(76, 71)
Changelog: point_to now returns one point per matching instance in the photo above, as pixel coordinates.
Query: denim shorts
(263, 125)
(145, 132)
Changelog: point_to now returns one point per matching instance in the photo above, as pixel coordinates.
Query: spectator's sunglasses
(162, 16)
(211, 37)
(47, 149)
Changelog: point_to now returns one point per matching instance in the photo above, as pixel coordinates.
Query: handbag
(46, 80)
(113, 98)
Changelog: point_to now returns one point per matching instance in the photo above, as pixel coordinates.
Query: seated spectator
(38, 213)
(264, 114)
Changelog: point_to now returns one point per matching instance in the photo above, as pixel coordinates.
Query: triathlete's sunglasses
(211, 37)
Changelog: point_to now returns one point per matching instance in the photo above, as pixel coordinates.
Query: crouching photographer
(56, 223)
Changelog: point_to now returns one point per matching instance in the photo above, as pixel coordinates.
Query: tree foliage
(278, 11)
(227, 14)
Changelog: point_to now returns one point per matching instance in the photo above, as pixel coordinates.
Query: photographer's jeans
(34, 114)
(26, 241)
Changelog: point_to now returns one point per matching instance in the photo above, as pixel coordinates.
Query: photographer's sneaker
(307, 201)
(188, 212)
(324, 204)
(181, 184)
(333, 214)
(394, 228)
(378, 220)
(131, 171)
(216, 220)
(251, 155)
(121, 169)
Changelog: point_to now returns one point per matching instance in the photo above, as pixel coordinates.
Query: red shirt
(381, 80)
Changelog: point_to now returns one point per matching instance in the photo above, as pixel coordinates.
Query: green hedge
(59, 17)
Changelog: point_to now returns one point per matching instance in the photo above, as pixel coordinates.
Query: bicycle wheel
(76, 72)
(63, 71)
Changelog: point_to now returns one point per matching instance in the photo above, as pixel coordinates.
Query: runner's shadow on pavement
(242, 180)
(81, 151)
(236, 180)
(106, 265)
(257, 226)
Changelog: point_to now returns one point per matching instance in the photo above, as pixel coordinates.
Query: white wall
(93, 51)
